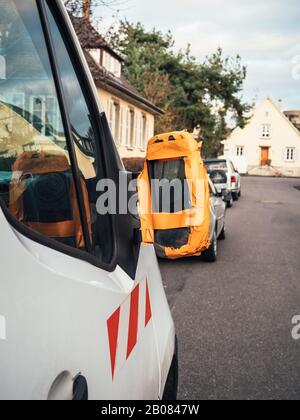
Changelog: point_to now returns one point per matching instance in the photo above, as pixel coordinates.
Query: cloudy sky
(266, 33)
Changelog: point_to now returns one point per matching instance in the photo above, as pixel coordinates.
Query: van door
(70, 299)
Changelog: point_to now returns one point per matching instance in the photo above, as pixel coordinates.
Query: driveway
(233, 318)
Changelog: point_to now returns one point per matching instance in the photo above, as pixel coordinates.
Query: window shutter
(135, 132)
(296, 155)
(112, 117)
(109, 114)
(139, 130)
(122, 123)
(128, 128)
(284, 154)
(138, 123)
(144, 131)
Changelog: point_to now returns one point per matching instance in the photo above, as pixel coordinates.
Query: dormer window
(96, 54)
(105, 59)
(111, 64)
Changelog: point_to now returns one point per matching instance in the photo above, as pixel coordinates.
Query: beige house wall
(131, 126)
(282, 135)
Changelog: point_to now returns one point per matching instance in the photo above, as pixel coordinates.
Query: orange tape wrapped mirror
(174, 196)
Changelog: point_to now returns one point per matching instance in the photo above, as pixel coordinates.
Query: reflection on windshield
(36, 181)
(30, 118)
(29, 112)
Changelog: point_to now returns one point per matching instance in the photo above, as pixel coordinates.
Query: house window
(290, 154)
(111, 64)
(114, 120)
(266, 131)
(240, 151)
(43, 114)
(117, 68)
(95, 53)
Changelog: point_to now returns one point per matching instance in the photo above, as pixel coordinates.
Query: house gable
(269, 133)
(266, 114)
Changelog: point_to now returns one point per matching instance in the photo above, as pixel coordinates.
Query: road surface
(234, 318)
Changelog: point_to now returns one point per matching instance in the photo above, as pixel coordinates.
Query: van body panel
(56, 310)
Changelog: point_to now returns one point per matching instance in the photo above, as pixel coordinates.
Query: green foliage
(190, 93)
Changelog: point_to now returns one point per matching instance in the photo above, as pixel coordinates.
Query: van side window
(87, 144)
(36, 181)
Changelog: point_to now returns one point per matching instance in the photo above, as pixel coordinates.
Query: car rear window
(217, 165)
(218, 176)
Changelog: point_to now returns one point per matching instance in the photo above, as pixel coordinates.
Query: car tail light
(233, 180)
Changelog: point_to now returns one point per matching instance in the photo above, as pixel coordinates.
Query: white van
(83, 313)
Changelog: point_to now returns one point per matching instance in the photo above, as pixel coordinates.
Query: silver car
(217, 222)
(220, 181)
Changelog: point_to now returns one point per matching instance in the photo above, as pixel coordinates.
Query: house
(130, 115)
(269, 145)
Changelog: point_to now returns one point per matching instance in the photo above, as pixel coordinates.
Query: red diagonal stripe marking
(148, 315)
(113, 332)
(133, 320)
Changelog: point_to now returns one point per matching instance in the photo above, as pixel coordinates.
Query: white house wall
(131, 138)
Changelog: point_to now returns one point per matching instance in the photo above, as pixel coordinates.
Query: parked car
(217, 222)
(220, 181)
(83, 312)
(233, 177)
(189, 224)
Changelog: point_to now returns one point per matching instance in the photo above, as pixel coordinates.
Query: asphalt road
(233, 318)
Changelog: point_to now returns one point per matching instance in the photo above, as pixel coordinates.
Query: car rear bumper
(234, 189)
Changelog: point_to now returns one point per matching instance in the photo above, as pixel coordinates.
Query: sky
(266, 33)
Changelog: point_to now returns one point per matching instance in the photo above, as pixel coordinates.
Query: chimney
(86, 9)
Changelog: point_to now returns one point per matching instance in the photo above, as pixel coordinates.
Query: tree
(75, 6)
(190, 93)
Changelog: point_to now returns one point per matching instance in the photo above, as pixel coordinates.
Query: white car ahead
(83, 312)
(233, 177)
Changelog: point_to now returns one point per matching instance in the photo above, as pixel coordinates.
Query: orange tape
(168, 146)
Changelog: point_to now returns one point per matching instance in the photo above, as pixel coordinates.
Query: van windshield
(27, 92)
(36, 174)
(36, 181)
